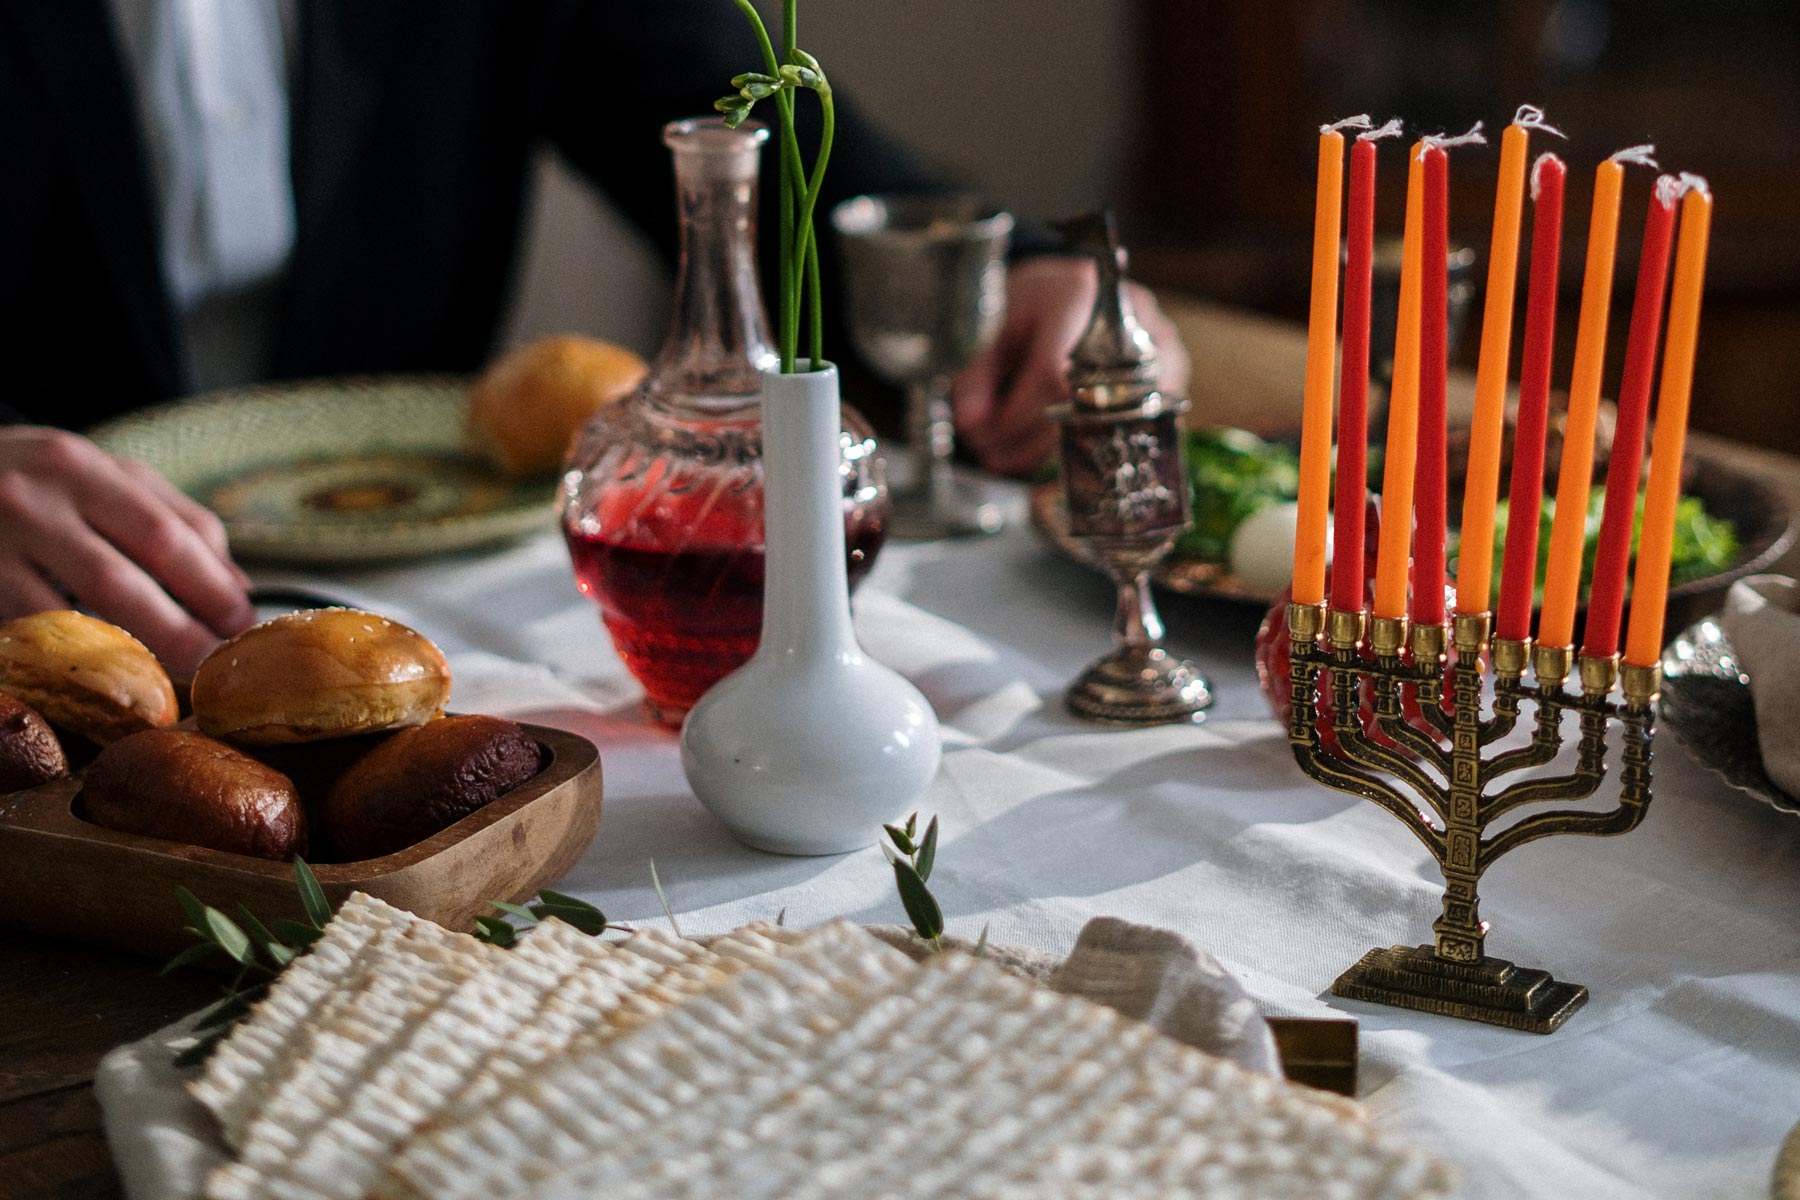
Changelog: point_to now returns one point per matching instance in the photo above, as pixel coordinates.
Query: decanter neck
(718, 342)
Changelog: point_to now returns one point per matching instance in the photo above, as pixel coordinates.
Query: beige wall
(1025, 99)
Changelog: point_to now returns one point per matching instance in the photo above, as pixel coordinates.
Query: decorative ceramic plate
(337, 470)
(1706, 704)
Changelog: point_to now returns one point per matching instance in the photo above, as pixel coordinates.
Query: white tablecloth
(1678, 1079)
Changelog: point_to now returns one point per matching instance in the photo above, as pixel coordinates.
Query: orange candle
(1321, 355)
(1568, 531)
(1481, 487)
(1650, 585)
(1394, 551)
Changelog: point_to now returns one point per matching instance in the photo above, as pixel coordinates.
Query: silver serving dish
(1706, 704)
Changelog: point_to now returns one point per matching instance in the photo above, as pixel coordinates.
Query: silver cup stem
(931, 431)
(1136, 623)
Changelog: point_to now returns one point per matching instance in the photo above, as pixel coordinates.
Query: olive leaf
(495, 931)
(516, 910)
(927, 851)
(312, 896)
(188, 957)
(912, 861)
(229, 938)
(570, 910)
(902, 840)
(295, 934)
(926, 917)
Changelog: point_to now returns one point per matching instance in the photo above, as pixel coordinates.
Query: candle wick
(1392, 128)
(1359, 121)
(1639, 155)
(1668, 190)
(1694, 183)
(1530, 116)
(1444, 142)
(1537, 172)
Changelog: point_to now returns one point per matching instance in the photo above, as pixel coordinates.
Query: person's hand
(1000, 398)
(77, 523)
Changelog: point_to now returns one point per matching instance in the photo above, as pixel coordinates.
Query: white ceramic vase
(811, 745)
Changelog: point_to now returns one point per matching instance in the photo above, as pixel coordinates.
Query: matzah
(249, 1063)
(407, 972)
(971, 1083)
(342, 1157)
(621, 986)
(770, 1065)
(753, 1030)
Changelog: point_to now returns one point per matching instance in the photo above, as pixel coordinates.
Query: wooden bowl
(68, 878)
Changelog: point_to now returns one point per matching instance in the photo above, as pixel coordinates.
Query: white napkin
(165, 1144)
(1762, 621)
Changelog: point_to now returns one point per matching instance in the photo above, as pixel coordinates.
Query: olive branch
(281, 942)
(794, 71)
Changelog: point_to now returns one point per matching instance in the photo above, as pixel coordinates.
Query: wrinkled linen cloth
(1679, 1079)
(1762, 619)
(166, 1145)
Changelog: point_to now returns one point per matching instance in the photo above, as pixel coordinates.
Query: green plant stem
(790, 40)
(790, 168)
(816, 303)
(808, 251)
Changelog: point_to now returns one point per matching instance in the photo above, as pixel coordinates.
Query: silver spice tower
(1126, 480)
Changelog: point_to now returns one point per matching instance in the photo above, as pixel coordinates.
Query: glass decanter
(662, 495)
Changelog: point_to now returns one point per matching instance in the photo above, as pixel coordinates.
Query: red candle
(1606, 602)
(1518, 578)
(1429, 485)
(1353, 395)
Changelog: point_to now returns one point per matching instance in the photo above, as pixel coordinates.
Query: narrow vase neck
(806, 588)
(718, 341)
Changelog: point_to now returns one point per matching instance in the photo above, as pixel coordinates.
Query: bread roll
(422, 780)
(185, 787)
(528, 406)
(29, 752)
(324, 673)
(84, 675)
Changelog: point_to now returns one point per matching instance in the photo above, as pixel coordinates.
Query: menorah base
(1489, 989)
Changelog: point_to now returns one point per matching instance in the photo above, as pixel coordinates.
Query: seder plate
(336, 470)
(1706, 703)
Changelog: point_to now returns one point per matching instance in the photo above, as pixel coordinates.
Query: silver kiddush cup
(1126, 480)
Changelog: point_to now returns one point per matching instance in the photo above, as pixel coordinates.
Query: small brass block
(1553, 663)
(1641, 685)
(1599, 673)
(1469, 631)
(1511, 655)
(1387, 635)
(1344, 629)
(1428, 643)
(1305, 621)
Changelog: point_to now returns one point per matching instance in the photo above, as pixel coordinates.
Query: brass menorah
(1441, 780)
